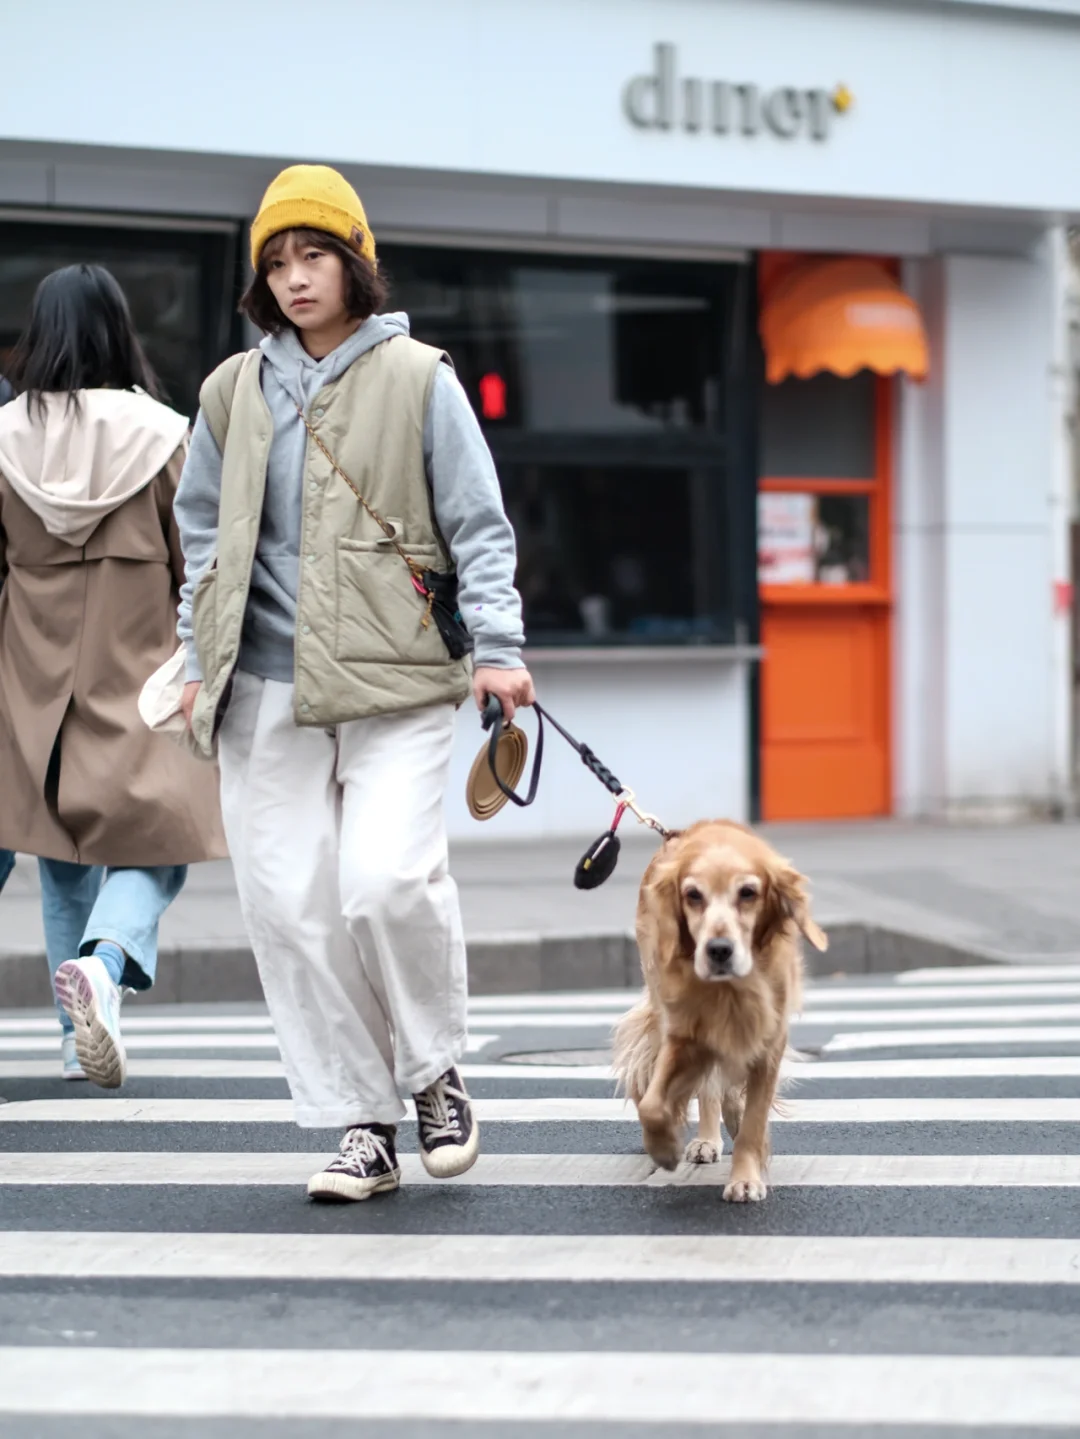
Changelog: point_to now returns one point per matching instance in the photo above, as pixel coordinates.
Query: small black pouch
(446, 612)
(598, 862)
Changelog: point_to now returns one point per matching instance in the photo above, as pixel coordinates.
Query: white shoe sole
(341, 1189)
(450, 1160)
(100, 1054)
(72, 1075)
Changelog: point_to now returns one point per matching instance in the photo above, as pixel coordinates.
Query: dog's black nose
(720, 952)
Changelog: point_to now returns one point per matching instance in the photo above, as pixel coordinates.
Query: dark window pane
(575, 346)
(821, 428)
(620, 555)
(606, 388)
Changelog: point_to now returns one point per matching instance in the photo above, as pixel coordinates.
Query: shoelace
(361, 1147)
(438, 1120)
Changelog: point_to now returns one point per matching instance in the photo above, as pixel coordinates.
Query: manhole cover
(560, 1056)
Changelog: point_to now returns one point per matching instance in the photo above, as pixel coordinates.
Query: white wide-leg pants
(338, 842)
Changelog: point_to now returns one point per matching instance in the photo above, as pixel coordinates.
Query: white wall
(675, 730)
(978, 544)
(954, 104)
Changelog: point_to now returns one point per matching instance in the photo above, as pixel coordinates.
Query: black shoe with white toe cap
(449, 1133)
(366, 1164)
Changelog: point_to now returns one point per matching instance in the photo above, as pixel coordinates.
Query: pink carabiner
(620, 810)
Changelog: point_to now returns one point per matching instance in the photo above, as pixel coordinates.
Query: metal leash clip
(628, 800)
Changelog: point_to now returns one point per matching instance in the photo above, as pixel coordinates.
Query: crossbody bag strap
(388, 530)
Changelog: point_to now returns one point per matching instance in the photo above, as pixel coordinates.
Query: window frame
(878, 590)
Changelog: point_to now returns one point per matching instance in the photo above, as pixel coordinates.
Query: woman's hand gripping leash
(512, 688)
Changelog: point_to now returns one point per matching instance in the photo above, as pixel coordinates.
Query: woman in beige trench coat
(90, 567)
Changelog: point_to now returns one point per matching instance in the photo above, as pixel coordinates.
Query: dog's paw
(745, 1191)
(702, 1151)
(662, 1148)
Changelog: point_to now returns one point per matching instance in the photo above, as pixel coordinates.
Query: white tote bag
(159, 702)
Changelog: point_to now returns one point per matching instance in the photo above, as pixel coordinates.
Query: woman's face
(307, 282)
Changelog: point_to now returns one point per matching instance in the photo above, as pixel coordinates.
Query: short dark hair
(80, 337)
(365, 289)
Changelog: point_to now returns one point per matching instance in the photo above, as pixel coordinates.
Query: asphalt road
(914, 1271)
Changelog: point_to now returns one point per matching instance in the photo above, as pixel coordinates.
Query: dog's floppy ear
(786, 898)
(665, 905)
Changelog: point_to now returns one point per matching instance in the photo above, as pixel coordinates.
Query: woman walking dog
(90, 568)
(335, 477)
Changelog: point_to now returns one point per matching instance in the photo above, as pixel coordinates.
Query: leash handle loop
(493, 720)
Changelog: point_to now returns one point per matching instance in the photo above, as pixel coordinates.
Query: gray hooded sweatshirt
(465, 489)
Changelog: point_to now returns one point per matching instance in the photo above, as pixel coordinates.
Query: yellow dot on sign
(842, 98)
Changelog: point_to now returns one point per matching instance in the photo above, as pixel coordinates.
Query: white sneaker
(92, 1002)
(69, 1060)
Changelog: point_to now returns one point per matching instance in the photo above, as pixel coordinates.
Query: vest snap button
(319, 413)
(304, 708)
(311, 559)
(305, 629)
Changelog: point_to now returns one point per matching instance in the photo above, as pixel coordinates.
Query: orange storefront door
(825, 752)
(825, 601)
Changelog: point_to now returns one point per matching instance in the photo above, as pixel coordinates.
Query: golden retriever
(718, 925)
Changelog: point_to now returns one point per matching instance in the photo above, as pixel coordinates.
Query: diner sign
(665, 100)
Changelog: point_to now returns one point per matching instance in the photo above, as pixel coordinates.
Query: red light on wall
(493, 397)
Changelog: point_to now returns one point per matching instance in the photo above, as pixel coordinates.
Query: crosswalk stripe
(951, 1038)
(156, 1167)
(983, 973)
(1003, 1014)
(711, 1258)
(559, 1387)
(949, 1014)
(888, 996)
(1020, 1066)
(600, 1000)
(157, 1069)
(1016, 1066)
(591, 1008)
(147, 1024)
(192, 1039)
(829, 993)
(214, 1068)
(527, 1111)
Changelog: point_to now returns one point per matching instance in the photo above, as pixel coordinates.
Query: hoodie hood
(75, 466)
(302, 377)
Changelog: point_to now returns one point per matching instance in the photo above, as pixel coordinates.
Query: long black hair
(80, 337)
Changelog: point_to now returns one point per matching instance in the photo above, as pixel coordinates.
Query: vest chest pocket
(379, 613)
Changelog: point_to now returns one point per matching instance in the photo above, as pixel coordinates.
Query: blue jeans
(82, 904)
(7, 864)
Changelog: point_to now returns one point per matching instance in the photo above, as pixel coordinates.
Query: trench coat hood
(75, 464)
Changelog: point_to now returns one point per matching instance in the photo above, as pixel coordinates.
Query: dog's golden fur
(719, 923)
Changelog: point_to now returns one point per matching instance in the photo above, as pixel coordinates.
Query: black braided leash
(599, 860)
(492, 720)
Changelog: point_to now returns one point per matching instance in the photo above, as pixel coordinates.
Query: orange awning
(843, 316)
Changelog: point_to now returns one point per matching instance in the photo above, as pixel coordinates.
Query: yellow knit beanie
(312, 197)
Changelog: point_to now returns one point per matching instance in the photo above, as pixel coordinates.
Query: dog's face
(730, 894)
(721, 899)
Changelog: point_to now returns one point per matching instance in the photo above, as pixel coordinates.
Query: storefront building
(761, 304)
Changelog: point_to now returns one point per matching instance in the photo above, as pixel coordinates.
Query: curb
(509, 964)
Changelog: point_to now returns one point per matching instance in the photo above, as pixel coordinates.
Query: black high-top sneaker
(449, 1133)
(366, 1164)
